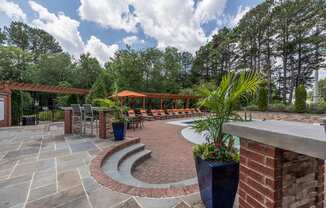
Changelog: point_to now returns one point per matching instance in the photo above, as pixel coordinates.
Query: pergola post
(161, 102)
(144, 103)
(187, 103)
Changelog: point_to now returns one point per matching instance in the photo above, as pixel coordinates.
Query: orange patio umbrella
(127, 93)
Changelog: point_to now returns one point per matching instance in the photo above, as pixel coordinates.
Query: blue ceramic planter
(118, 130)
(218, 182)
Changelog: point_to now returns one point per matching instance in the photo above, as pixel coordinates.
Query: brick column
(68, 122)
(272, 177)
(102, 125)
(6, 96)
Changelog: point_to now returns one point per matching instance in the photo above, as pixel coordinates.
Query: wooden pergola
(160, 96)
(6, 87)
(11, 85)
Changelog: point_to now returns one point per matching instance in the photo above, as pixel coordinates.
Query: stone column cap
(304, 138)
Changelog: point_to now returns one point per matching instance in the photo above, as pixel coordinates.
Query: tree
(87, 71)
(300, 99)
(98, 90)
(2, 37)
(15, 64)
(31, 39)
(262, 97)
(55, 68)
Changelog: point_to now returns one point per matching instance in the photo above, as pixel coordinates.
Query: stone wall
(300, 117)
(271, 177)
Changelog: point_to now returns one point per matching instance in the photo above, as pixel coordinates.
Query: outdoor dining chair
(89, 116)
(77, 118)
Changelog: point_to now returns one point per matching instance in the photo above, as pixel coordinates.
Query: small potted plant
(119, 119)
(217, 160)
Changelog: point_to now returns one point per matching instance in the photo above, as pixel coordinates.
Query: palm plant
(221, 100)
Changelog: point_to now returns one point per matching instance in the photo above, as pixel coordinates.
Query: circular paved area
(171, 159)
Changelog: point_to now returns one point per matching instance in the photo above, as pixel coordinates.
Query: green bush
(56, 115)
(251, 107)
(317, 108)
(262, 99)
(277, 107)
(300, 99)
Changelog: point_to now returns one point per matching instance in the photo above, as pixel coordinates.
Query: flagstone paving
(41, 168)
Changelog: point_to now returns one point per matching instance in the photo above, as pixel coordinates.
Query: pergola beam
(11, 85)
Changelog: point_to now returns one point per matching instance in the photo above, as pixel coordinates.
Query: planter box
(218, 182)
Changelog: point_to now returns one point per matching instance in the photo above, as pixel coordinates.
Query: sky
(101, 27)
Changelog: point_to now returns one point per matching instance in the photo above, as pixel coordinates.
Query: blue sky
(101, 27)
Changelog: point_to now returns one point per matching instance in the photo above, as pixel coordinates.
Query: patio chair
(77, 118)
(156, 115)
(146, 117)
(90, 116)
(133, 120)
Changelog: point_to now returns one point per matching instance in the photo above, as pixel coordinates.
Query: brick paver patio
(171, 159)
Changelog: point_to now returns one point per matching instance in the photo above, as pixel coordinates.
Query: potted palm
(119, 119)
(217, 160)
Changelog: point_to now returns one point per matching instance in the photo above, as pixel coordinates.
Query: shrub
(277, 107)
(57, 115)
(317, 108)
(262, 100)
(300, 99)
(251, 107)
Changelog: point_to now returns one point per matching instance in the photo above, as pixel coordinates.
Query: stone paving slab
(44, 169)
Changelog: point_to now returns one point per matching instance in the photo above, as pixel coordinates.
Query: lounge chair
(156, 114)
(170, 113)
(176, 113)
(188, 112)
(146, 117)
(200, 112)
(163, 114)
(182, 112)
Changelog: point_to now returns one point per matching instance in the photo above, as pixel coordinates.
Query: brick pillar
(272, 177)
(5, 94)
(68, 122)
(102, 125)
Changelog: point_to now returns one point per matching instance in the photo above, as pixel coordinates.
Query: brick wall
(271, 177)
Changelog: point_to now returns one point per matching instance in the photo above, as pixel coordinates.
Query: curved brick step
(126, 168)
(112, 163)
(113, 168)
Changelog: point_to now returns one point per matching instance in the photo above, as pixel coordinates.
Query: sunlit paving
(162, 104)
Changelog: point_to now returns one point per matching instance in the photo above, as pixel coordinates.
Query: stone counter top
(303, 138)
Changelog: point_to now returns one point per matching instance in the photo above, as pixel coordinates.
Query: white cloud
(66, 32)
(229, 20)
(174, 23)
(12, 10)
(100, 50)
(241, 12)
(209, 9)
(62, 27)
(131, 40)
(114, 14)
